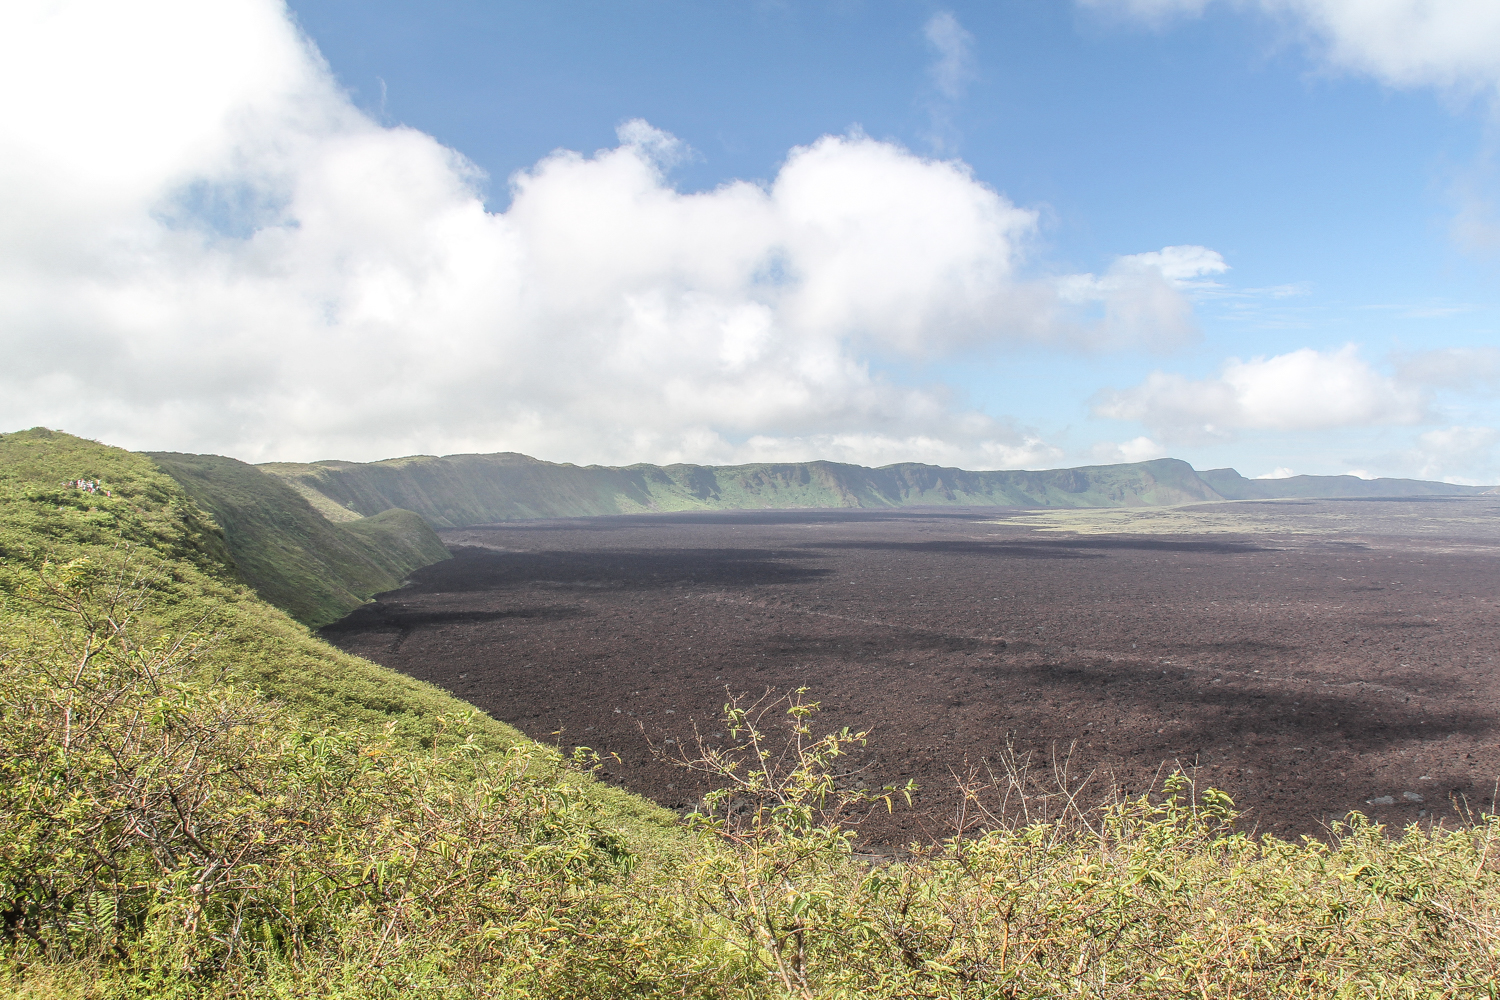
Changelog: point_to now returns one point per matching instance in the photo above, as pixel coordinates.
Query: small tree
(785, 803)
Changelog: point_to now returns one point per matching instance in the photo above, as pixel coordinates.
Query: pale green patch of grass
(1226, 517)
(316, 568)
(322, 504)
(1467, 524)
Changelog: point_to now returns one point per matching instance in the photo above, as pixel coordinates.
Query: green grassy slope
(260, 816)
(460, 490)
(1163, 481)
(43, 516)
(200, 799)
(198, 591)
(295, 557)
(1232, 486)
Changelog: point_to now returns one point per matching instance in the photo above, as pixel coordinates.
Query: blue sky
(401, 219)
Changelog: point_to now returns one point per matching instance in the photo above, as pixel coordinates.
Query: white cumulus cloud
(1443, 43)
(1138, 449)
(1142, 295)
(1447, 43)
(1464, 369)
(1301, 390)
(207, 247)
(1459, 454)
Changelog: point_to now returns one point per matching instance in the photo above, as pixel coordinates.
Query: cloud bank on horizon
(1301, 390)
(218, 251)
(209, 247)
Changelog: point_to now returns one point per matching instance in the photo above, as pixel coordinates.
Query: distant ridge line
(455, 491)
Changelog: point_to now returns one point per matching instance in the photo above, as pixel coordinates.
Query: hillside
(200, 798)
(463, 490)
(1232, 486)
(316, 569)
(140, 521)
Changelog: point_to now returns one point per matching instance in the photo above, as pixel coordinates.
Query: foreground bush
(163, 832)
(189, 837)
(1154, 897)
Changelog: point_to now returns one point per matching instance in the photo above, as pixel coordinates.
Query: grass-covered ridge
(461, 490)
(151, 523)
(200, 799)
(1232, 486)
(315, 568)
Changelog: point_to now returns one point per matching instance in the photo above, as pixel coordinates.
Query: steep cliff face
(313, 567)
(461, 490)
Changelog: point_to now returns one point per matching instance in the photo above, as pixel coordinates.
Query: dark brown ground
(1328, 654)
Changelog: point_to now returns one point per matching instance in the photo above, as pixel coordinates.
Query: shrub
(771, 877)
(188, 834)
(1039, 896)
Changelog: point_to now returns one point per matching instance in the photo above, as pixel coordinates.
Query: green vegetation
(1230, 485)
(316, 569)
(1472, 516)
(200, 799)
(461, 490)
(151, 522)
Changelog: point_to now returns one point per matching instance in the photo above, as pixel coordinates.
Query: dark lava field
(1308, 657)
